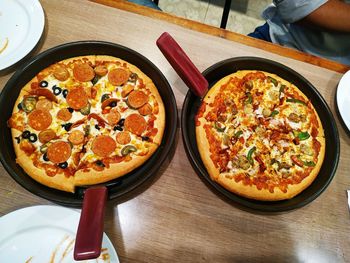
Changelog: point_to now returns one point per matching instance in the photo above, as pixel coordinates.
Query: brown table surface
(177, 217)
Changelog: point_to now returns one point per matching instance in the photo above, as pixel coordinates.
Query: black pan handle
(182, 64)
(90, 230)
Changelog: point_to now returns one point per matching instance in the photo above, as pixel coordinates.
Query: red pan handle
(90, 230)
(182, 64)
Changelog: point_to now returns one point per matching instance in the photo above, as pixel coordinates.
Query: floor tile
(244, 16)
(194, 10)
(241, 23)
(214, 13)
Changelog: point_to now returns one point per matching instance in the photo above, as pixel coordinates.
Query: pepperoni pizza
(86, 120)
(259, 136)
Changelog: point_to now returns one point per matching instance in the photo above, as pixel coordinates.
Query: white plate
(44, 234)
(21, 26)
(343, 98)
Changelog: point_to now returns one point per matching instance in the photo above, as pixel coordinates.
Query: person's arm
(334, 15)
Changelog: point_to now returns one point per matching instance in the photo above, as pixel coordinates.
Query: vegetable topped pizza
(259, 136)
(86, 120)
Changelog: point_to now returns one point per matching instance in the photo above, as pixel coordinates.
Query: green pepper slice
(128, 149)
(293, 100)
(301, 135)
(274, 113)
(282, 88)
(86, 109)
(28, 104)
(43, 148)
(309, 163)
(249, 99)
(105, 97)
(274, 81)
(249, 155)
(219, 126)
(237, 134)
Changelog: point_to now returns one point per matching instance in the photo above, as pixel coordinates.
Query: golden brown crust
(251, 191)
(227, 179)
(115, 171)
(203, 148)
(90, 58)
(59, 181)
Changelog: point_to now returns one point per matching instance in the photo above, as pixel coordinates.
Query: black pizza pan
(92, 198)
(118, 187)
(221, 69)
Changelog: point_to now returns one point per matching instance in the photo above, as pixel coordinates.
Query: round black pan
(328, 169)
(116, 188)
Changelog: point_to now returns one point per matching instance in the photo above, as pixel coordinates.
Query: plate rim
(32, 210)
(35, 36)
(339, 91)
(250, 204)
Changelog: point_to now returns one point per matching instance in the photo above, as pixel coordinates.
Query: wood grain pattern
(176, 217)
(215, 31)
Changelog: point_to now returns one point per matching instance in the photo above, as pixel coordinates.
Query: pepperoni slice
(59, 152)
(113, 117)
(76, 137)
(118, 76)
(46, 135)
(135, 123)
(77, 98)
(44, 104)
(83, 72)
(145, 109)
(101, 70)
(61, 73)
(123, 137)
(137, 99)
(103, 145)
(64, 114)
(39, 119)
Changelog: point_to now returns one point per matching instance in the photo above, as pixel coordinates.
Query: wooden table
(176, 217)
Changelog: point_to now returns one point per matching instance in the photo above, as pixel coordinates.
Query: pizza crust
(67, 61)
(59, 181)
(115, 171)
(203, 148)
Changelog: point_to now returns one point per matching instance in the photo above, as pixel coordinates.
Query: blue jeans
(148, 3)
(262, 32)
